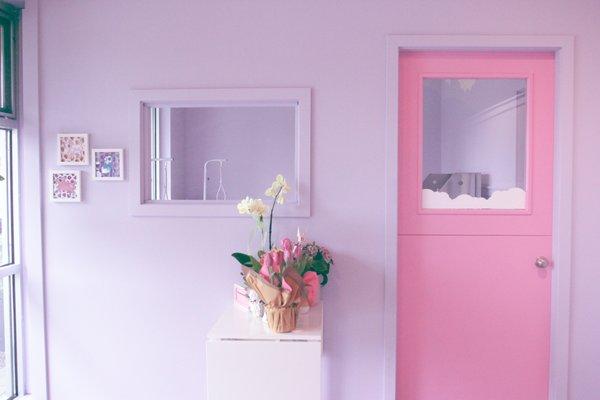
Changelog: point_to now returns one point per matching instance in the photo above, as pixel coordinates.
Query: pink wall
(129, 300)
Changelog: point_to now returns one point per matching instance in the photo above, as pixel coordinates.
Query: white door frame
(563, 47)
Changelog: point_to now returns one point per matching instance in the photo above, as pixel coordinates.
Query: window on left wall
(10, 268)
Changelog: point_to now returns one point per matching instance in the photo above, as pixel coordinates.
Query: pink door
(475, 225)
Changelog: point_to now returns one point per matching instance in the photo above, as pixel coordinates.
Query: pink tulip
(266, 260)
(287, 256)
(312, 286)
(286, 244)
(297, 252)
(266, 263)
(277, 258)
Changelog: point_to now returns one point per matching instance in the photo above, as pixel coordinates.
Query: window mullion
(8, 270)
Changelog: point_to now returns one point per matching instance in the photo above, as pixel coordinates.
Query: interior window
(474, 143)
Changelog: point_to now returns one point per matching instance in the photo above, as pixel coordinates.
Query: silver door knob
(541, 262)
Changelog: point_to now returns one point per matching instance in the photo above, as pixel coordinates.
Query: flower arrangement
(277, 266)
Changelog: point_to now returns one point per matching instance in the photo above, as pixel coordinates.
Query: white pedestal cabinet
(248, 362)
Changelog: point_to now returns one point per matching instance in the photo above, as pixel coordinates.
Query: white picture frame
(108, 165)
(72, 149)
(143, 100)
(65, 186)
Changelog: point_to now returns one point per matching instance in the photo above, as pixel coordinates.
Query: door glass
(474, 143)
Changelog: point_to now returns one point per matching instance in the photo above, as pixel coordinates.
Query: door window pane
(474, 143)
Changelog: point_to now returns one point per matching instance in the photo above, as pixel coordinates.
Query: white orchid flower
(278, 189)
(254, 207)
(257, 208)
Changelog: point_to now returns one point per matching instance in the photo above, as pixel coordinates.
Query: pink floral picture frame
(65, 186)
(73, 149)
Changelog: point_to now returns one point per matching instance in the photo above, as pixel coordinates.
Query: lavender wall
(129, 300)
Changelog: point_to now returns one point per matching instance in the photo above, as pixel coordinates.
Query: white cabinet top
(237, 324)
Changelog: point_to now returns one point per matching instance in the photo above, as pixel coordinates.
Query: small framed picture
(108, 164)
(73, 149)
(66, 185)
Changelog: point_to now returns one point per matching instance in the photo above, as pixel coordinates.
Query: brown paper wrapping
(282, 319)
(281, 305)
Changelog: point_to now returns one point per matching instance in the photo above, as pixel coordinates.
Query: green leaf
(255, 264)
(325, 280)
(320, 266)
(247, 261)
(301, 266)
(242, 258)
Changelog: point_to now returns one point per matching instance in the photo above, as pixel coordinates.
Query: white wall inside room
(129, 300)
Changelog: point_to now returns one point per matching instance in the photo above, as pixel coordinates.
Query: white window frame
(142, 100)
(30, 296)
(14, 269)
(9, 122)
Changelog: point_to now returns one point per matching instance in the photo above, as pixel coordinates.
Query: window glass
(9, 270)
(474, 143)
(8, 22)
(2, 69)
(5, 199)
(7, 356)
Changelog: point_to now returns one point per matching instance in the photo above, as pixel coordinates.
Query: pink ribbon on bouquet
(312, 287)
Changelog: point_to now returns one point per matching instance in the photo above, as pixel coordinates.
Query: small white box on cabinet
(245, 360)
